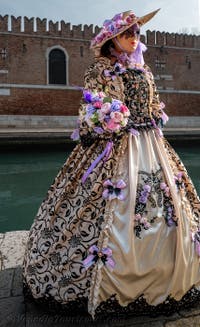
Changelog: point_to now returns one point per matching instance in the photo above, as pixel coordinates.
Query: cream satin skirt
(163, 261)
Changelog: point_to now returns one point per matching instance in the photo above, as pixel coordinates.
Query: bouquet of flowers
(102, 113)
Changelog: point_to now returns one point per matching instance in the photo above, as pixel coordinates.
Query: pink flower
(112, 125)
(138, 217)
(97, 104)
(105, 108)
(101, 94)
(167, 190)
(147, 225)
(101, 116)
(143, 220)
(125, 110)
(162, 185)
(116, 116)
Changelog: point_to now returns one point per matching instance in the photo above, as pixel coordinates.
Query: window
(57, 67)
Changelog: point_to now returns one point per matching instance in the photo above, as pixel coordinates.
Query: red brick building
(42, 63)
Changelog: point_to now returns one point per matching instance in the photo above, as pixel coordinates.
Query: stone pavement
(15, 312)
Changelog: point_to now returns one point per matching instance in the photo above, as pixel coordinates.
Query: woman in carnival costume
(118, 231)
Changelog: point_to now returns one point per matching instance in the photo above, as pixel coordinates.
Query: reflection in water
(26, 176)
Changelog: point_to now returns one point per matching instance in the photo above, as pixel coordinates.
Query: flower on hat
(118, 24)
(112, 27)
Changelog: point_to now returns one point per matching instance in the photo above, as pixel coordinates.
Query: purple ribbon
(134, 132)
(158, 130)
(95, 254)
(90, 258)
(105, 154)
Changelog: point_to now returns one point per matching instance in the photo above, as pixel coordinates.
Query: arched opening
(57, 67)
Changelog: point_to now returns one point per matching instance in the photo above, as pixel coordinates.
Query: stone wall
(24, 47)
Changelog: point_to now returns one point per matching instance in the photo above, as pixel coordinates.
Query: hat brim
(140, 20)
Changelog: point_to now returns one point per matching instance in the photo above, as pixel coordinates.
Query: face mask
(133, 31)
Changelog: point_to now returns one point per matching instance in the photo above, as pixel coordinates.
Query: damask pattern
(67, 224)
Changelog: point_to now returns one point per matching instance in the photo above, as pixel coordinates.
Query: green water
(25, 176)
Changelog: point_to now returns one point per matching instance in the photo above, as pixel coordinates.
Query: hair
(105, 49)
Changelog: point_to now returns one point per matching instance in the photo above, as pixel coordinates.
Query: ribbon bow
(105, 255)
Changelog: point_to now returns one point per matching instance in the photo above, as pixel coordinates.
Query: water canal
(26, 174)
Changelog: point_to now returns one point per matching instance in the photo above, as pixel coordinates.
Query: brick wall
(40, 102)
(174, 60)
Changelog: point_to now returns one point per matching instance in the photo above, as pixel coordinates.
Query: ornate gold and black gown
(142, 248)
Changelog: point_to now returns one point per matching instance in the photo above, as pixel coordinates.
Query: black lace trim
(112, 309)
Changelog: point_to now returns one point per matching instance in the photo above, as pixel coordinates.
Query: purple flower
(143, 199)
(169, 209)
(144, 193)
(90, 109)
(107, 72)
(106, 22)
(170, 222)
(98, 130)
(115, 106)
(87, 96)
(147, 188)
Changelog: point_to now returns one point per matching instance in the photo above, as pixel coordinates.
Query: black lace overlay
(152, 193)
(112, 309)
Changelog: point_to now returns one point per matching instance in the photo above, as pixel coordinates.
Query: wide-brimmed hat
(117, 25)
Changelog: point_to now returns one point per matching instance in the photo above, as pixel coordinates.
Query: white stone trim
(165, 77)
(70, 122)
(3, 71)
(39, 86)
(75, 88)
(180, 91)
(4, 91)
